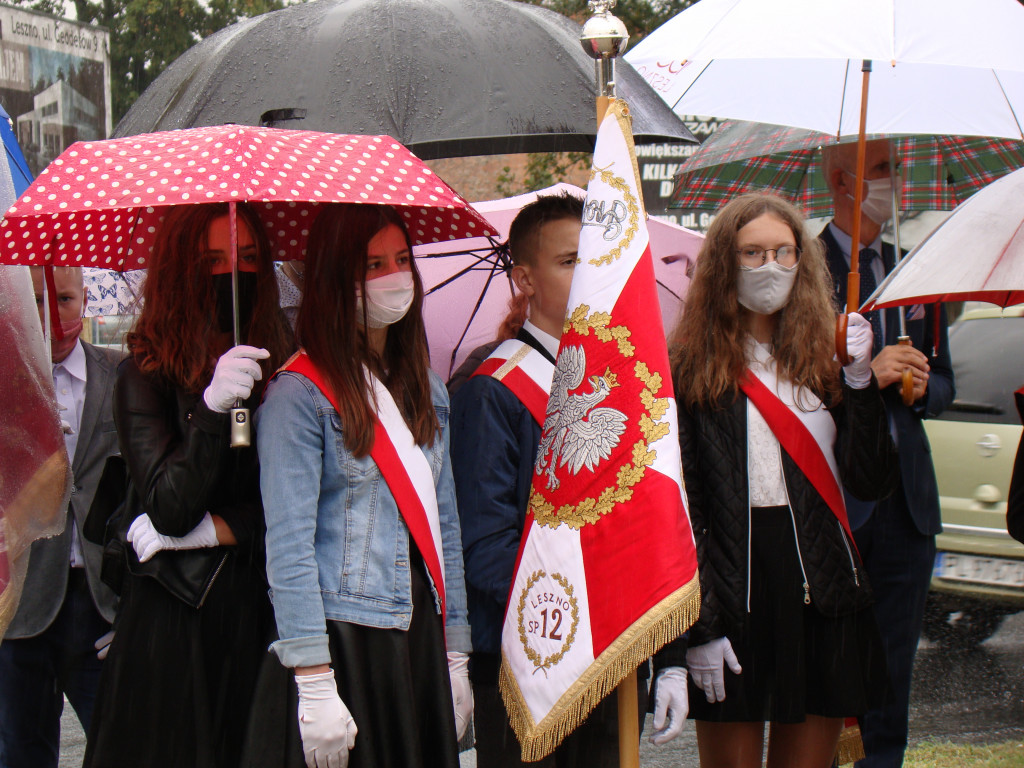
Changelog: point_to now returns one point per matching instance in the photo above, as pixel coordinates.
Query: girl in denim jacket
(361, 562)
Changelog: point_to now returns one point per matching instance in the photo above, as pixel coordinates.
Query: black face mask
(246, 301)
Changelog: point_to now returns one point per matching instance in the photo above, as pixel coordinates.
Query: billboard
(659, 166)
(54, 82)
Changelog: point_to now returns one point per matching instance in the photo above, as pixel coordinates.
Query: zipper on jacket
(796, 539)
(849, 554)
(750, 516)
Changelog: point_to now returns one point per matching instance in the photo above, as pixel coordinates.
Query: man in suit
(896, 536)
(49, 649)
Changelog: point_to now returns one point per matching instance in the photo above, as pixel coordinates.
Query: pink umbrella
(468, 284)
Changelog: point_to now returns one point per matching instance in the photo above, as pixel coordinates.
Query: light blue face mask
(765, 289)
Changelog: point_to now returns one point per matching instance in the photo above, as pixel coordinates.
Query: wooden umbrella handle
(907, 385)
(843, 321)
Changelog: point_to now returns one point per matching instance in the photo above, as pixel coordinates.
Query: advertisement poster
(54, 82)
(659, 166)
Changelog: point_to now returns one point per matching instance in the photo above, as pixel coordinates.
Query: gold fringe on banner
(850, 748)
(662, 624)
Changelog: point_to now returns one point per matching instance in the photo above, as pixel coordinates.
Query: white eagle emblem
(575, 431)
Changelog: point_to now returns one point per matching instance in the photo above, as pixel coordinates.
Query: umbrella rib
(465, 270)
(1017, 232)
(683, 94)
(472, 316)
(1008, 104)
(842, 100)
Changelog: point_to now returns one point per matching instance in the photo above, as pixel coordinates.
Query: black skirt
(796, 661)
(176, 685)
(395, 684)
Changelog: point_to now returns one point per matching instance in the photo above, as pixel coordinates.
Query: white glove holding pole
(325, 724)
(236, 373)
(671, 704)
(707, 667)
(147, 541)
(462, 691)
(859, 340)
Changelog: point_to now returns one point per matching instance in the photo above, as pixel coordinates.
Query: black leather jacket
(714, 452)
(180, 466)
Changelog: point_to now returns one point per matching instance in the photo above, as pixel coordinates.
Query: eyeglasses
(785, 255)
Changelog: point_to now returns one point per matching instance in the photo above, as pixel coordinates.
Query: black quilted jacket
(714, 451)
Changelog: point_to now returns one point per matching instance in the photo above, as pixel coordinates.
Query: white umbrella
(938, 66)
(977, 254)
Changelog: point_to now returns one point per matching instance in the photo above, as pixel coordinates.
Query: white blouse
(766, 483)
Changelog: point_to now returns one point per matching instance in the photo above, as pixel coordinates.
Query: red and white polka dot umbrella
(100, 203)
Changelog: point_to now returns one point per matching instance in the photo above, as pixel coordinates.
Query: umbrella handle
(907, 385)
(842, 321)
(241, 436)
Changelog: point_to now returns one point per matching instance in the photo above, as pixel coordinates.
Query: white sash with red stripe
(403, 466)
(526, 373)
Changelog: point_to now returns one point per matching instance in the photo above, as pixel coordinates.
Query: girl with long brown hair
(771, 427)
(364, 554)
(193, 615)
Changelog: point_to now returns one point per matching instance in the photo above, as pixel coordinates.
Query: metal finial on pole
(604, 38)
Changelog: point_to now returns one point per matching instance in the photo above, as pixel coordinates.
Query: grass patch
(945, 755)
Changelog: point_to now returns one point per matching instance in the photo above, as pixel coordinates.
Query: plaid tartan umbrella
(939, 172)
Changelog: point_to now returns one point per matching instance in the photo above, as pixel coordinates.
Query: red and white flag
(607, 570)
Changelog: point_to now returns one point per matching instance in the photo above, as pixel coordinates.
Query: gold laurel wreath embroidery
(532, 655)
(652, 429)
(632, 206)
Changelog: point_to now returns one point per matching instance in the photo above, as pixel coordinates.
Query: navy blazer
(917, 472)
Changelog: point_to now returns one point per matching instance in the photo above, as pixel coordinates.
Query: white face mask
(388, 298)
(765, 289)
(877, 204)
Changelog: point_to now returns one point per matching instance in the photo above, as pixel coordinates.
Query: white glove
(859, 338)
(671, 704)
(707, 667)
(147, 541)
(327, 729)
(102, 645)
(462, 691)
(233, 378)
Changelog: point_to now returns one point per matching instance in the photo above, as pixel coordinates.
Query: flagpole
(604, 38)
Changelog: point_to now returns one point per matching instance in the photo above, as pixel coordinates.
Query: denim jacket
(337, 546)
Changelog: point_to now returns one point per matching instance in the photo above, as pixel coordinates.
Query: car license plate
(955, 566)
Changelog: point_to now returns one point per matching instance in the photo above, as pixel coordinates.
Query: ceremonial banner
(607, 570)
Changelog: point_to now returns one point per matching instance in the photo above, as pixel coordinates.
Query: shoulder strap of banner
(416, 503)
(799, 443)
(524, 371)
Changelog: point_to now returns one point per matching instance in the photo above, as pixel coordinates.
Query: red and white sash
(403, 466)
(808, 436)
(525, 371)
